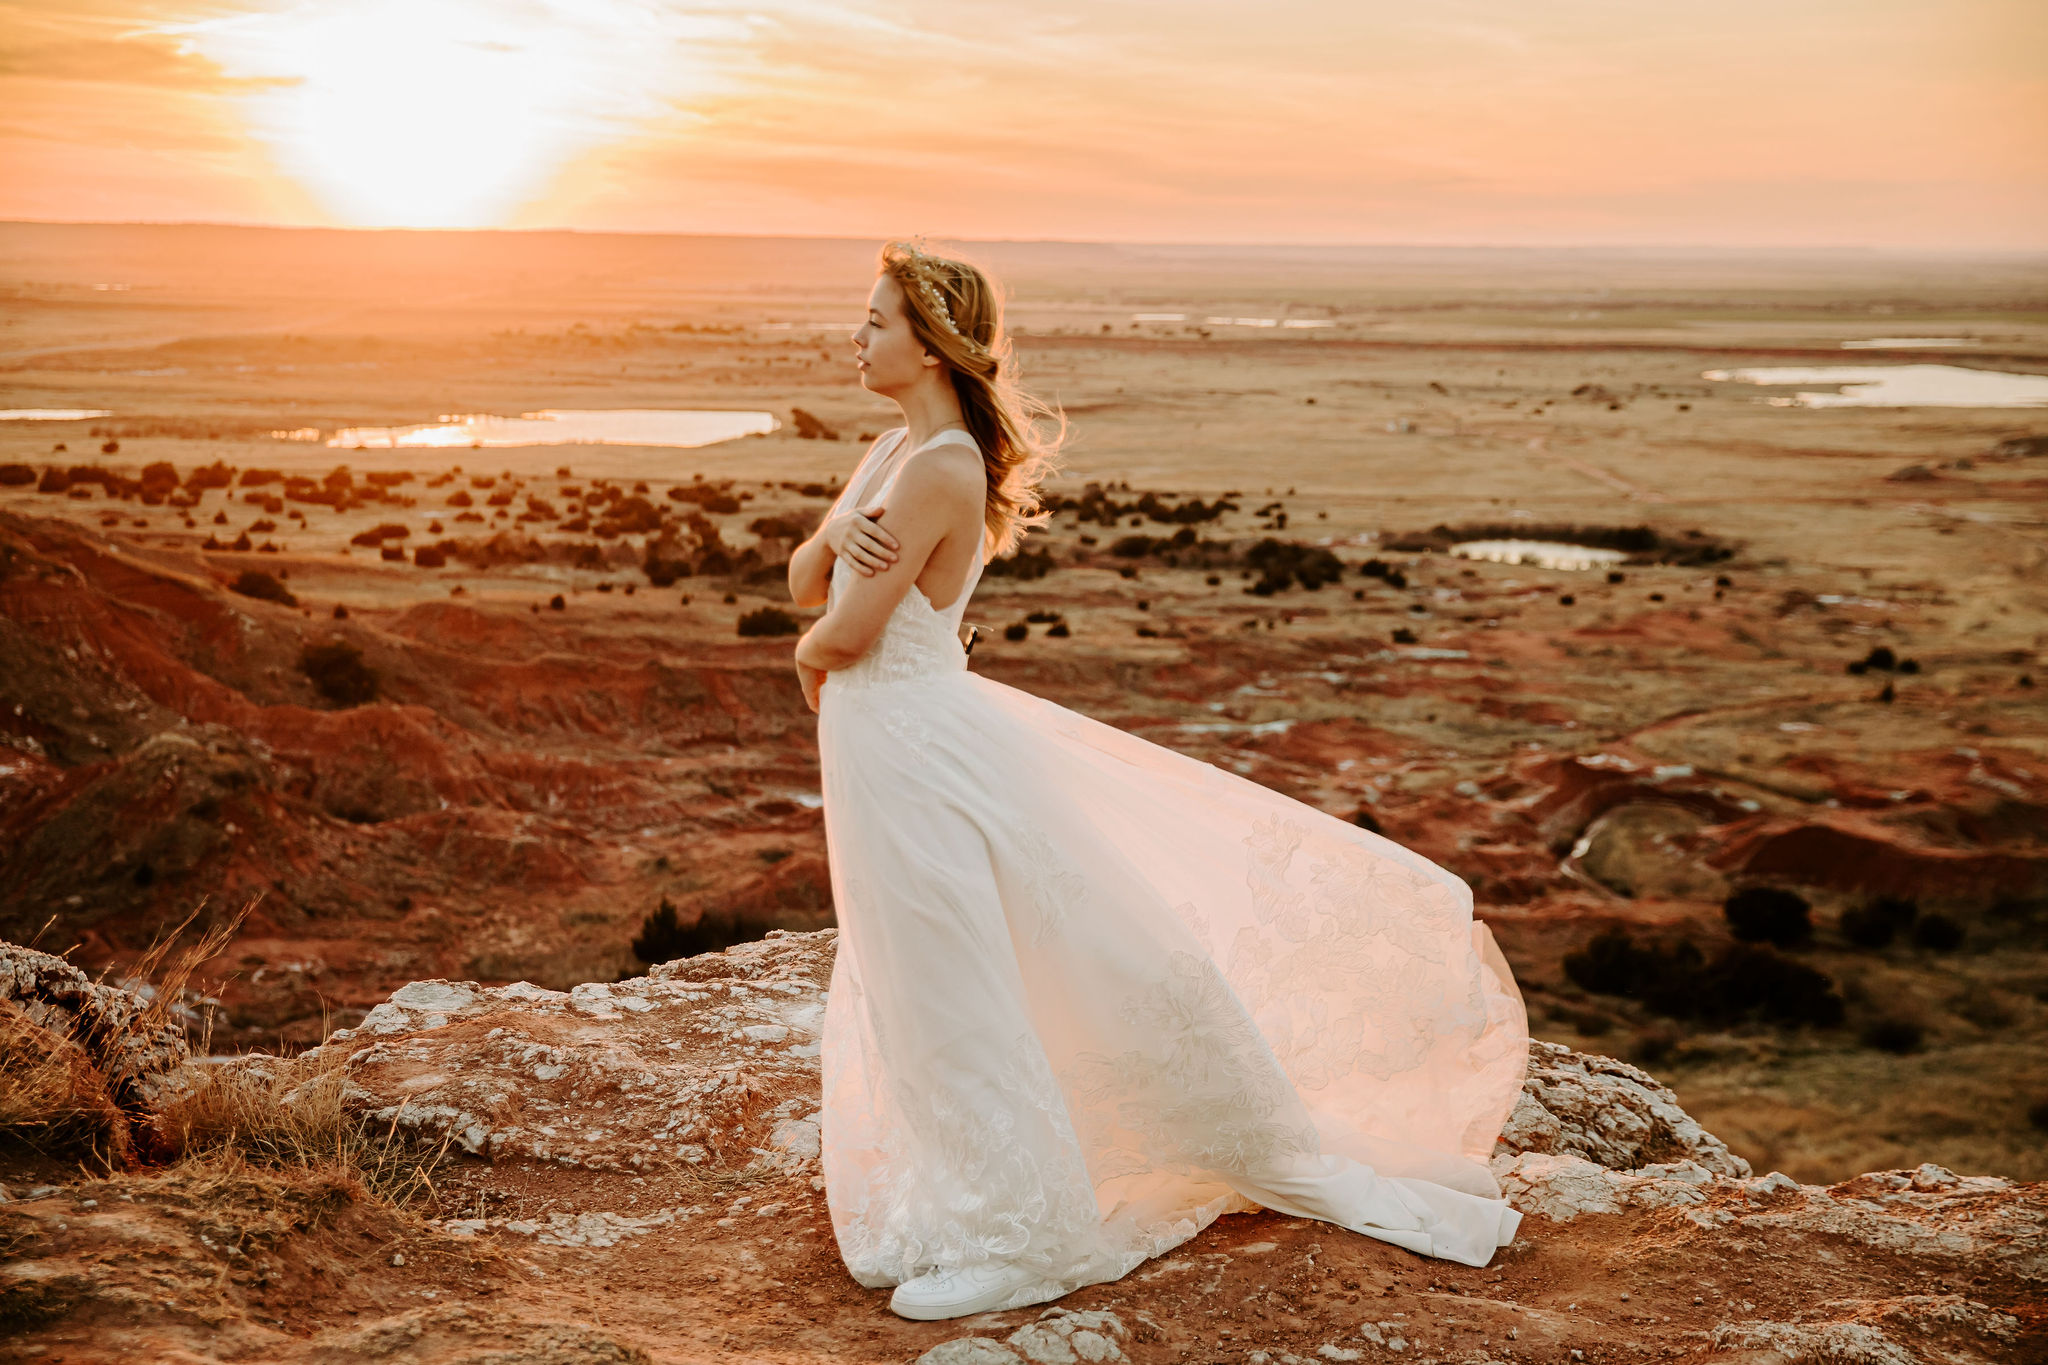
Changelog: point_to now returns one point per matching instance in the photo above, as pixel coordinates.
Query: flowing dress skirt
(1092, 993)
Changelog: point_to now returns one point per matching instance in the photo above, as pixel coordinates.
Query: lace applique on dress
(1204, 1093)
(1377, 933)
(906, 725)
(1056, 888)
(1198, 924)
(1008, 1193)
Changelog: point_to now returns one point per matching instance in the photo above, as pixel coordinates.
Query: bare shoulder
(946, 472)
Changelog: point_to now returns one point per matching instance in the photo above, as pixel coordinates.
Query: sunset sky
(1908, 123)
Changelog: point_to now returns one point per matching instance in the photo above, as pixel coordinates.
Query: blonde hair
(957, 314)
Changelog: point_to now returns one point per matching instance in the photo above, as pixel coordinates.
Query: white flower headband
(923, 267)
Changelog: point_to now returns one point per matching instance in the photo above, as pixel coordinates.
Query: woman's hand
(855, 538)
(812, 679)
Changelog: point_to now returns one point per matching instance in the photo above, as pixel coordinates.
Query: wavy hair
(956, 312)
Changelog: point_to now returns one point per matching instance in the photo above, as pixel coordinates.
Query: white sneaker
(958, 1292)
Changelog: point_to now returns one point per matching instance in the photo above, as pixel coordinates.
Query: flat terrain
(1590, 754)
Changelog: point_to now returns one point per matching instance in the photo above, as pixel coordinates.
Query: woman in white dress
(1092, 993)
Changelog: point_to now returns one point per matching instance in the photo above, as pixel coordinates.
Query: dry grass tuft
(55, 1095)
(289, 1119)
(52, 1098)
(298, 1115)
(169, 970)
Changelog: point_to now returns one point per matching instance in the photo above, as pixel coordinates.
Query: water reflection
(1899, 386)
(51, 414)
(1905, 343)
(1545, 554)
(566, 426)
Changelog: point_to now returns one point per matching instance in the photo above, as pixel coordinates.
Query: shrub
(1605, 966)
(338, 672)
(1281, 562)
(258, 584)
(784, 528)
(1677, 981)
(376, 535)
(664, 938)
(769, 621)
(1746, 980)
(663, 573)
(1876, 924)
(1939, 933)
(1893, 1034)
(1024, 564)
(1767, 914)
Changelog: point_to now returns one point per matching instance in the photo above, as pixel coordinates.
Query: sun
(448, 113)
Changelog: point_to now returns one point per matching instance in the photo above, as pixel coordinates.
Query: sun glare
(449, 113)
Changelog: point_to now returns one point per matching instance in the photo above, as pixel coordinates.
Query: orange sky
(1911, 123)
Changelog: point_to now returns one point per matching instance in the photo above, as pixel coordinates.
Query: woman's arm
(810, 570)
(936, 489)
(854, 536)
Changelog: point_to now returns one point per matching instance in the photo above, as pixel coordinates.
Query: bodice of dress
(919, 641)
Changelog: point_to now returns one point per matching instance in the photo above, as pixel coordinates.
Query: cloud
(141, 60)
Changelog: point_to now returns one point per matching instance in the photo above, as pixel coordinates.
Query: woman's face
(890, 357)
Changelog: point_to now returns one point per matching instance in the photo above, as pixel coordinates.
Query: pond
(565, 426)
(1905, 343)
(1544, 554)
(1898, 386)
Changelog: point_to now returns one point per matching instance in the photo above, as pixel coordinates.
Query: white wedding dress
(1091, 993)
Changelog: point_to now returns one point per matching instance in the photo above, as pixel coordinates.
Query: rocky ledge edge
(710, 1064)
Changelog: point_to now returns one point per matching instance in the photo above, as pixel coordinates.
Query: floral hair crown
(925, 271)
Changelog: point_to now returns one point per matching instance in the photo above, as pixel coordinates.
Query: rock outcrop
(641, 1184)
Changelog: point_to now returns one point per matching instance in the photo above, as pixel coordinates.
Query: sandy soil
(539, 780)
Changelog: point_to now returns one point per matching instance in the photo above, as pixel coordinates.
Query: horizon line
(1845, 248)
